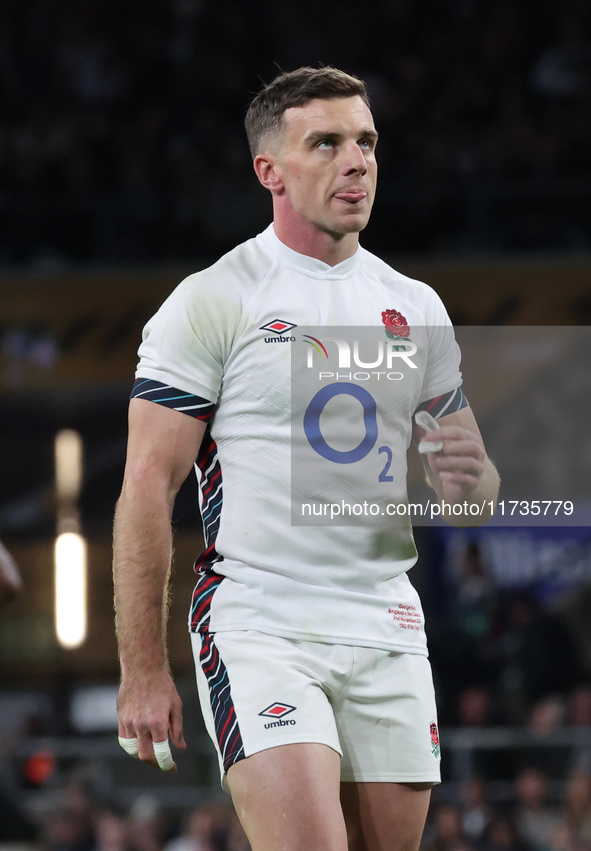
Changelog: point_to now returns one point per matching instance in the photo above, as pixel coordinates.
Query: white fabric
(376, 707)
(333, 583)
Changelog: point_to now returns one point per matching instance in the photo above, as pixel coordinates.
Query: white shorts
(376, 708)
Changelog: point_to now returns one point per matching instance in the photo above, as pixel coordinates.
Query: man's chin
(351, 223)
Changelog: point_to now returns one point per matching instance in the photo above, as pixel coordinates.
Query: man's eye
(324, 144)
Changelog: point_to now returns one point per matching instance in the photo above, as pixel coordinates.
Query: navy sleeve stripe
(445, 404)
(171, 397)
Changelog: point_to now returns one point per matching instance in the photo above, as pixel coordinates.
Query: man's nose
(354, 160)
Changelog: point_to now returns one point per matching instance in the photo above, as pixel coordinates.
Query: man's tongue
(351, 197)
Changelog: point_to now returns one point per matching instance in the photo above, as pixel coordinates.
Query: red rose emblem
(434, 733)
(396, 325)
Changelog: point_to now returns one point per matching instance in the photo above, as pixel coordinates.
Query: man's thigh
(385, 816)
(287, 798)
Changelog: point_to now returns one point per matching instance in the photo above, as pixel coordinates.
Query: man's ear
(268, 172)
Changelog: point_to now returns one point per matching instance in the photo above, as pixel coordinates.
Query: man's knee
(385, 816)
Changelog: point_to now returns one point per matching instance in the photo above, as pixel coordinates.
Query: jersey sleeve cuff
(445, 403)
(172, 397)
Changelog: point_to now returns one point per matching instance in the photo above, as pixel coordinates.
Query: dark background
(122, 133)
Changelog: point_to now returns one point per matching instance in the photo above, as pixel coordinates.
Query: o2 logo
(319, 444)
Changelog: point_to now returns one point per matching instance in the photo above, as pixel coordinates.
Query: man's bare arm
(162, 446)
(461, 471)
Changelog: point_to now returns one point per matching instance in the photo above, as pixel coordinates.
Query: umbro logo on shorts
(278, 710)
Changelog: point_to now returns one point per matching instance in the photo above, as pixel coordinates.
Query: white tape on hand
(429, 423)
(130, 746)
(163, 755)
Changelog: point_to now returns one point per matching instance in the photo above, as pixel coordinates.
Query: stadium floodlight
(70, 589)
(70, 546)
(68, 465)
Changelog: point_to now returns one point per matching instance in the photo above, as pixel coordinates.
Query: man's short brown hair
(296, 88)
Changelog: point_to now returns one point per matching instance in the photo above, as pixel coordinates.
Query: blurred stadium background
(123, 167)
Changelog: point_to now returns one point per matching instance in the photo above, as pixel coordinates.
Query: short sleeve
(442, 373)
(186, 343)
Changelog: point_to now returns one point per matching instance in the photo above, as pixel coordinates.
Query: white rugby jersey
(215, 338)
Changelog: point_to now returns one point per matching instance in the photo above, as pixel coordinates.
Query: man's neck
(306, 239)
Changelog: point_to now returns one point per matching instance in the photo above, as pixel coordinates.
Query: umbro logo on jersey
(280, 328)
(278, 710)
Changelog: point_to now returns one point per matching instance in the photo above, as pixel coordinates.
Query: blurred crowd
(506, 656)
(536, 820)
(79, 826)
(122, 129)
(75, 822)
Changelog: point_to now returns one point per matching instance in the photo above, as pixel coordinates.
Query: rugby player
(316, 691)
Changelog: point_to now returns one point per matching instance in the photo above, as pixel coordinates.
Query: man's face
(326, 161)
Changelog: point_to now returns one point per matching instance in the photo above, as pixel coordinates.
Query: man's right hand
(149, 709)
